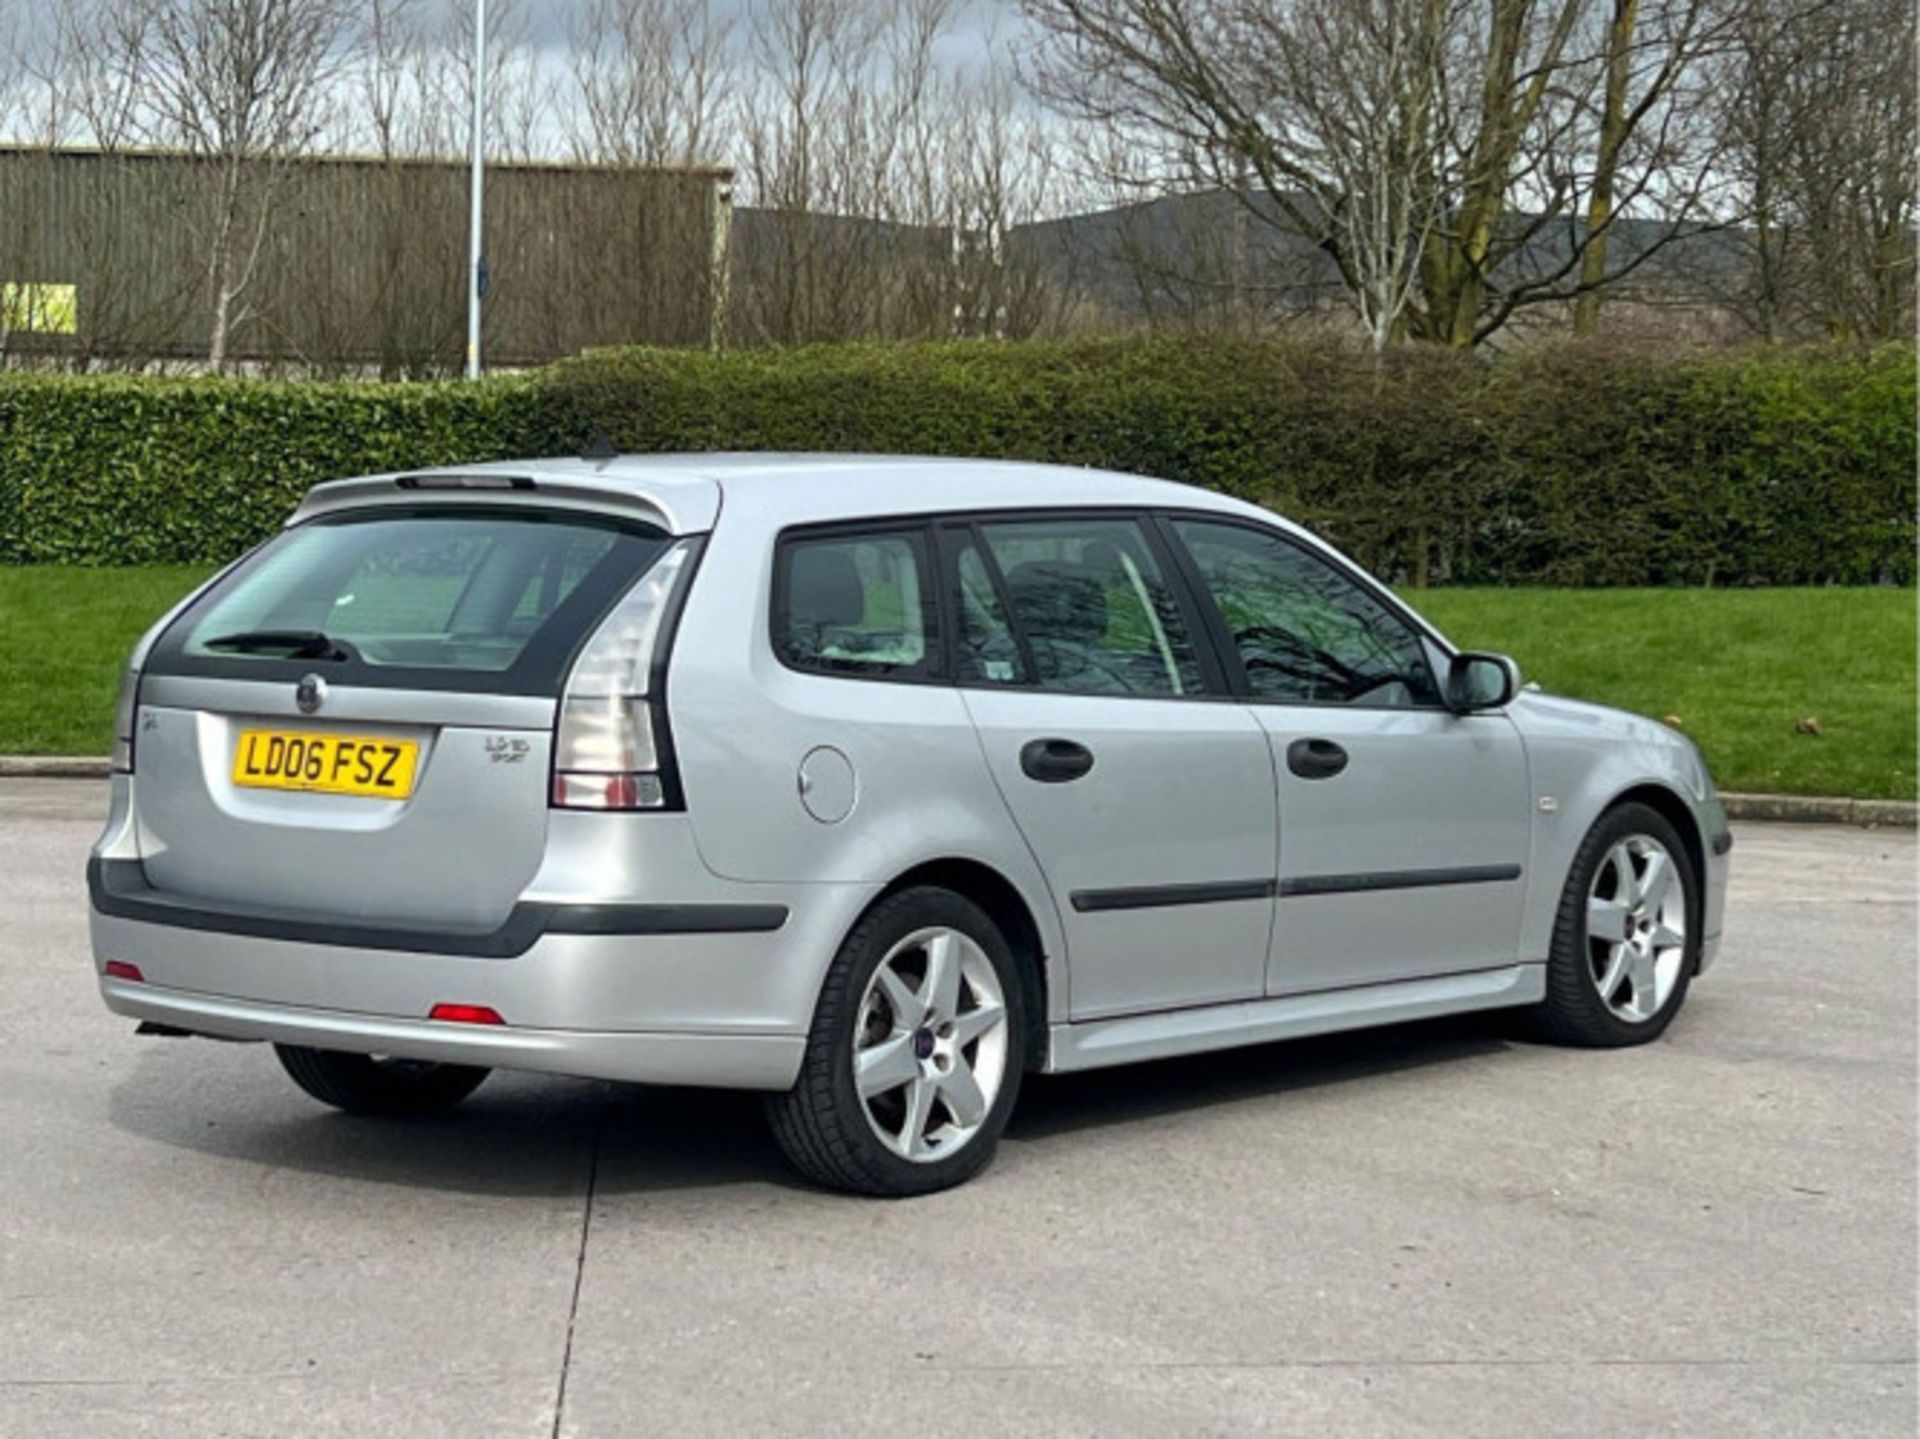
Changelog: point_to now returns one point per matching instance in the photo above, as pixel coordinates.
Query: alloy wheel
(1636, 928)
(930, 1044)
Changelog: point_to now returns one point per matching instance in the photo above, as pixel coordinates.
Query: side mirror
(1481, 682)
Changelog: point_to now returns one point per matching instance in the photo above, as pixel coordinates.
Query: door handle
(1316, 758)
(1054, 761)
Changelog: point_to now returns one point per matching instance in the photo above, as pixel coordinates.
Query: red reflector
(120, 969)
(466, 1014)
(583, 790)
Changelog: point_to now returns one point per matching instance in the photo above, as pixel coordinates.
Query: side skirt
(1095, 1044)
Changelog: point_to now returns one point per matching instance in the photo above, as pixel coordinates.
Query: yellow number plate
(325, 763)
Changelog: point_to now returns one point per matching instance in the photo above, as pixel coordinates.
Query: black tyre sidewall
(358, 1084)
(876, 1168)
(1574, 1010)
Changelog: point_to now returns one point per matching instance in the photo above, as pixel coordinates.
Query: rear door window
(1091, 608)
(453, 599)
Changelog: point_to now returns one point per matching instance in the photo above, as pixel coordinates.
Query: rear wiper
(298, 644)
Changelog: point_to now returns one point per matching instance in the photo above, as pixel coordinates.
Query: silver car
(870, 783)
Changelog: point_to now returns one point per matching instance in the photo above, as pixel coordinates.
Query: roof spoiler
(370, 491)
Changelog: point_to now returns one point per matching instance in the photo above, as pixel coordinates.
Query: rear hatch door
(356, 722)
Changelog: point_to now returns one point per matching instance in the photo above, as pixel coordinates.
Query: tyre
(364, 1084)
(1626, 940)
(914, 1058)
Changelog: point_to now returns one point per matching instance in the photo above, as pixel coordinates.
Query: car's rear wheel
(915, 1054)
(376, 1084)
(1627, 937)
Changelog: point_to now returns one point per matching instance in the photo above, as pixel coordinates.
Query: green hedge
(1569, 465)
(118, 471)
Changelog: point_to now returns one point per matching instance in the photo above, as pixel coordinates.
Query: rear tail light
(123, 716)
(120, 969)
(607, 750)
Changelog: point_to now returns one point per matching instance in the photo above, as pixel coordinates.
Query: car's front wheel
(371, 1084)
(1627, 936)
(915, 1054)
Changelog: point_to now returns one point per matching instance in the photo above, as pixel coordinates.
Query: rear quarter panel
(743, 723)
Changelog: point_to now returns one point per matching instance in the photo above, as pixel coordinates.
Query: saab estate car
(871, 783)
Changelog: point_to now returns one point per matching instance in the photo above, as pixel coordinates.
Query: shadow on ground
(532, 1135)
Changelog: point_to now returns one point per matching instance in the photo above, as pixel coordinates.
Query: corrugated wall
(362, 262)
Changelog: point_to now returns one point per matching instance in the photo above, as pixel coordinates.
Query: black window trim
(1223, 677)
(953, 539)
(935, 667)
(1222, 639)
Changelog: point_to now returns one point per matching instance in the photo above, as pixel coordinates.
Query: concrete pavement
(1432, 1229)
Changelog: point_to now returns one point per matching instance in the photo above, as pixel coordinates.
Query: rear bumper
(609, 991)
(625, 958)
(727, 1061)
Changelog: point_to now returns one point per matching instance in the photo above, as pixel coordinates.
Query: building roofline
(146, 152)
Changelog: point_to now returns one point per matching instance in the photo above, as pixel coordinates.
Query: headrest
(824, 589)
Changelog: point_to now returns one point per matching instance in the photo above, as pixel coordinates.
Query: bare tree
(1756, 126)
(405, 313)
(1819, 122)
(882, 179)
(1362, 83)
(382, 114)
(520, 95)
(243, 86)
(13, 72)
(95, 68)
(1003, 176)
(1455, 161)
(80, 91)
(801, 138)
(649, 81)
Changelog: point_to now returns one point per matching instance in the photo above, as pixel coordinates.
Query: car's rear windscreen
(451, 597)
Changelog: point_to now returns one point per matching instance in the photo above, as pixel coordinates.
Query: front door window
(1305, 632)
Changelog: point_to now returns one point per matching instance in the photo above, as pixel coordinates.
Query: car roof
(685, 493)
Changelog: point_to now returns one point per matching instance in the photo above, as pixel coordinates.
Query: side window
(855, 604)
(1305, 632)
(1091, 607)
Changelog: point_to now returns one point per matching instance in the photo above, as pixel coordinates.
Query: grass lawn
(64, 633)
(1739, 667)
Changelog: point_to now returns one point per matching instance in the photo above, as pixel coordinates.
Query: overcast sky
(974, 23)
(974, 30)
